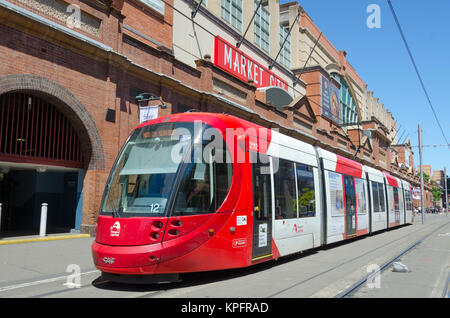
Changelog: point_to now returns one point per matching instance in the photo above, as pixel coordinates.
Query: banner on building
(235, 62)
(147, 113)
(416, 193)
(330, 100)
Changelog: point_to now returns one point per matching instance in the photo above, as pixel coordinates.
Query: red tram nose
(138, 245)
(130, 231)
(126, 244)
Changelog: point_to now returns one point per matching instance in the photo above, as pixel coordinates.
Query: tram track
(446, 291)
(355, 287)
(340, 265)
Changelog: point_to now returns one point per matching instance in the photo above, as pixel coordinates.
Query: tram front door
(262, 210)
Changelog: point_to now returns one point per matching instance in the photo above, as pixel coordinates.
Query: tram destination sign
(233, 61)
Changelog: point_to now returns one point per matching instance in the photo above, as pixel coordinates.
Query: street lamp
(145, 97)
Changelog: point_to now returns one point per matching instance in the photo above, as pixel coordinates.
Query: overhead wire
(417, 70)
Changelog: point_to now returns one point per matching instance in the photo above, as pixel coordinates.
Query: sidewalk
(37, 238)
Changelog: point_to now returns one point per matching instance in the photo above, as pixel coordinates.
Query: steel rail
(361, 282)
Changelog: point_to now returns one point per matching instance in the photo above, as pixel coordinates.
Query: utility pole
(446, 194)
(421, 174)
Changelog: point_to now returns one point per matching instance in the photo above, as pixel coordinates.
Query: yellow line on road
(40, 239)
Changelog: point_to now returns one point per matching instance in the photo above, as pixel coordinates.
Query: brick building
(68, 83)
(72, 73)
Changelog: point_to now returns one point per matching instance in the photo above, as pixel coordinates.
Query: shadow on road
(199, 278)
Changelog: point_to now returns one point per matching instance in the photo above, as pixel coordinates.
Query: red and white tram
(198, 192)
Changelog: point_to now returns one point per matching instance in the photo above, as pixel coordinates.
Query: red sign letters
(233, 61)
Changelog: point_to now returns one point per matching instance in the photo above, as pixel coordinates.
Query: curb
(41, 239)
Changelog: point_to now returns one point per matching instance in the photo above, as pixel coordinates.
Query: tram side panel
(391, 205)
(408, 202)
(401, 200)
(296, 195)
(347, 205)
(362, 204)
(393, 188)
(377, 199)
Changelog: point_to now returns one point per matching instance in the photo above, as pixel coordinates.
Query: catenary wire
(416, 69)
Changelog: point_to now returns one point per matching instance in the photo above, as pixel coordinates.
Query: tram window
(145, 176)
(204, 185)
(396, 199)
(195, 195)
(146, 172)
(148, 190)
(381, 195)
(408, 200)
(284, 178)
(223, 173)
(378, 196)
(306, 194)
(375, 197)
(350, 195)
(261, 190)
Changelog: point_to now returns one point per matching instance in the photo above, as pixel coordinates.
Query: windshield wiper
(117, 212)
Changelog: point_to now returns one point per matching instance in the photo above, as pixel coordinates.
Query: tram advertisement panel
(337, 207)
(361, 204)
(360, 195)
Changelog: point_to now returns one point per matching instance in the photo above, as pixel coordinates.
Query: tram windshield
(169, 167)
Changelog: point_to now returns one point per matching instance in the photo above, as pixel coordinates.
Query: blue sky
(381, 59)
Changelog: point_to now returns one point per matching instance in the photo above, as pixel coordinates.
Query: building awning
(276, 96)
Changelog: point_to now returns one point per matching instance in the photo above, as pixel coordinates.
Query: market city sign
(233, 61)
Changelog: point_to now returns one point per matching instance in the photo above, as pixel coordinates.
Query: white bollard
(43, 219)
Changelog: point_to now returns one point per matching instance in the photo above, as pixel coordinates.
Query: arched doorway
(41, 161)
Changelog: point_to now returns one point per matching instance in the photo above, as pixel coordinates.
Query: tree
(437, 193)
(426, 177)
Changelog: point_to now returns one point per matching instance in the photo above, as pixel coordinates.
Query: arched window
(348, 107)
